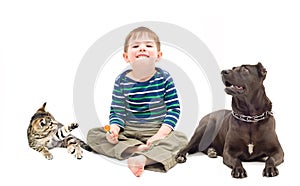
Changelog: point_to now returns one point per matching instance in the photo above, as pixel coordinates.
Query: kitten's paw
(75, 150)
(71, 149)
(74, 126)
(78, 154)
(48, 156)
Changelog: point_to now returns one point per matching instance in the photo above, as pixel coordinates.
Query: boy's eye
(135, 46)
(150, 46)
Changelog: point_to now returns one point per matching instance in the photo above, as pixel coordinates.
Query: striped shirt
(152, 101)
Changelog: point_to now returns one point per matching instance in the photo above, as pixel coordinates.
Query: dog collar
(252, 119)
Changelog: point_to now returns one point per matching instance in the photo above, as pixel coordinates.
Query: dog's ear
(261, 70)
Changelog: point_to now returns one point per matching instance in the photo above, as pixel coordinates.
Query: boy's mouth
(142, 56)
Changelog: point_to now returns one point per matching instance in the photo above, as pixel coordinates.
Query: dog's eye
(244, 69)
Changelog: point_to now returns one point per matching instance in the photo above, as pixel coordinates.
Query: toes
(136, 165)
(270, 171)
(48, 156)
(180, 158)
(238, 172)
(74, 126)
(211, 152)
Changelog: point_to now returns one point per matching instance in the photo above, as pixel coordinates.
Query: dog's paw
(180, 158)
(238, 172)
(211, 152)
(270, 171)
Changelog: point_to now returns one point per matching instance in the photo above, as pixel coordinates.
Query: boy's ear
(159, 55)
(125, 56)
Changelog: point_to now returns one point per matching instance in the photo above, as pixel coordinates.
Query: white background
(42, 44)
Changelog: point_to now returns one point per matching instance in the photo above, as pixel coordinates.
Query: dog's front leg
(273, 160)
(230, 158)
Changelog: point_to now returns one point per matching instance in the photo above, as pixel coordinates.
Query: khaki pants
(162, 151)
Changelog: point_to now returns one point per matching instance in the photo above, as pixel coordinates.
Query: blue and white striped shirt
(152, 101)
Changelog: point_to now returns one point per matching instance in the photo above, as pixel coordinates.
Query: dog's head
(244, 79)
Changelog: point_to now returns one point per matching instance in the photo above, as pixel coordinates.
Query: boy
(144, 111)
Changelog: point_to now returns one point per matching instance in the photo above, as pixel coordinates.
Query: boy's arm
(163, 132)
(117, 108)
(172, 114)
(172, 104)
(117, 113)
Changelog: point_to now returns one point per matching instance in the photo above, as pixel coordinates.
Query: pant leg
(96, 139)
(164, 151)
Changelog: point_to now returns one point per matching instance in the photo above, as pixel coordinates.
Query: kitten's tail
(85, 146)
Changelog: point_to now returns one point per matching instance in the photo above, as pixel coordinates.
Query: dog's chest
(249, 137)
(250, 148)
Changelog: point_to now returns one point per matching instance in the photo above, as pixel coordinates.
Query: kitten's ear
(42, 109)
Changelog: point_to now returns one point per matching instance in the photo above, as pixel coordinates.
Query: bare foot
(141, 148)
(136, 164)
(135, 149)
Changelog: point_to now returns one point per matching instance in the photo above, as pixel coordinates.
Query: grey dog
(245, 133)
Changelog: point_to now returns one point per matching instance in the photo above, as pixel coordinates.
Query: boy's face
(140, 50)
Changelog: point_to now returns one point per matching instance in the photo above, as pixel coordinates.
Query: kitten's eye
(42, 122)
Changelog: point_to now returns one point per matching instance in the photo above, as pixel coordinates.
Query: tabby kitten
(45, 133)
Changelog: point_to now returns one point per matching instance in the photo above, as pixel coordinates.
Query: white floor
(20, 164)
(31, 168)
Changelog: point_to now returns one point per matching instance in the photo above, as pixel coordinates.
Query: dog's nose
(225, 71)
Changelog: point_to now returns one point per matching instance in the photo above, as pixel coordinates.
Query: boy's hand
(154, 138)
(112, 136)
(161, 134)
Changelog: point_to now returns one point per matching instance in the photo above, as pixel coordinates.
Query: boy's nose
(142, 47)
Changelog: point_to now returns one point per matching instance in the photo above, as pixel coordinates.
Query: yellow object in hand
(107, 128)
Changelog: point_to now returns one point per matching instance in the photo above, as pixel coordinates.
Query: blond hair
(141, 33)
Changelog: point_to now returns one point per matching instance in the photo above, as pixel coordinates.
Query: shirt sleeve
(172, 103)
(117, 108)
